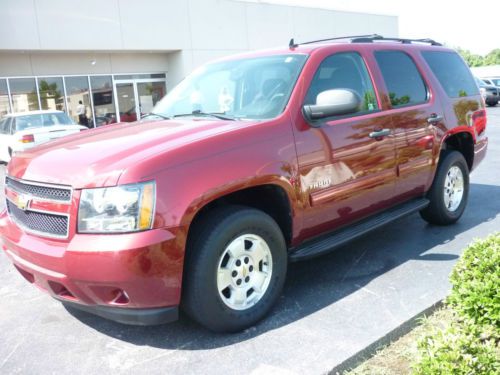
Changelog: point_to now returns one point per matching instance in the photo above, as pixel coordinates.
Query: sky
(476, 28)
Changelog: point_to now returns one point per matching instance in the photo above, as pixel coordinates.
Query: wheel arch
(270, 198)
(461, 141)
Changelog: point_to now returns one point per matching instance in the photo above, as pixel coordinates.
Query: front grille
(43, 223)
(40, 191)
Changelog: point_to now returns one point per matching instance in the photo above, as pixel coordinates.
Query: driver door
(346, 172)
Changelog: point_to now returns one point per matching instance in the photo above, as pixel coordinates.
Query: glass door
(149, 93)
(127, 102)
(137, 97)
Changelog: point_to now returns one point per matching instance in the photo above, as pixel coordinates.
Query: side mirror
(332, 103)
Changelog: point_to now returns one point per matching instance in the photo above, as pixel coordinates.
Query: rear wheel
(449, 191)
(235, 268)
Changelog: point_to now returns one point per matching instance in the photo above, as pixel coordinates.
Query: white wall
(56, 63)
(487, 71)
(199, 30)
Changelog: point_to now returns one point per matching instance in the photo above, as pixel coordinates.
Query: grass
(463, 337)
(397, 358)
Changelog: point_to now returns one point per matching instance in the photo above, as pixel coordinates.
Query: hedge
(470, 343)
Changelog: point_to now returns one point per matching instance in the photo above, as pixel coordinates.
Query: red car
(252, 161)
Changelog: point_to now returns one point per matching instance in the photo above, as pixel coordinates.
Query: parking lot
(332, 307)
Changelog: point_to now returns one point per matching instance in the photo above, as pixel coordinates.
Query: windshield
(252, 88)
(496, 81)
(42, 120)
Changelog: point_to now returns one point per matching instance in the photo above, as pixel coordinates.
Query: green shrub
(462, 348)
(470, 343)
(475, 282)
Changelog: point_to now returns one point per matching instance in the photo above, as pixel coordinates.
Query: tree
(470, 58)
(49, 91)
(493, 58)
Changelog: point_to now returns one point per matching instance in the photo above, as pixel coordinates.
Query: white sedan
(20, 131)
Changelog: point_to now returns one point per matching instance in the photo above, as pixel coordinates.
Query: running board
(331, 241)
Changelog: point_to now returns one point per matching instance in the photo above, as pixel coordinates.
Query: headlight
(119, 209)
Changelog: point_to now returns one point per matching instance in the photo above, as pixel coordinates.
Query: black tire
(201, 299)
(437, 212)
(491, 104)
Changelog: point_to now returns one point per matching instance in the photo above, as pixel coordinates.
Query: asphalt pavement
(333, 308)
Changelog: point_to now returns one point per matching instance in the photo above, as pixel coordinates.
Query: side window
(451, 72)
(401, 76)
(4, 126)
(345, 70)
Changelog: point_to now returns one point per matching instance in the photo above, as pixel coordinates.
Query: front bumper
(131, 278)
(138, 317)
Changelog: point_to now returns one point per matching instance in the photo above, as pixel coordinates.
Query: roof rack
(292, 44)
(371, 39)
(368, 39)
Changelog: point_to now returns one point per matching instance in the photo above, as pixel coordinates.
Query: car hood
(98, 157)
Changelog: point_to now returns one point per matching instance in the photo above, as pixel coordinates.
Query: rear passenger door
(415, 113)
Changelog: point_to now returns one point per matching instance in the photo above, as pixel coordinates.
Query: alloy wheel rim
(453, 188)
(244, 272)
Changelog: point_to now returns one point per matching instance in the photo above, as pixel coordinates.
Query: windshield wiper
(157, 115)
(218, 115)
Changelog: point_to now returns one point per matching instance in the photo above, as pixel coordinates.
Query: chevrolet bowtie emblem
(23, 201)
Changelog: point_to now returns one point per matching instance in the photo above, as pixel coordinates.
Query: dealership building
(119, 57)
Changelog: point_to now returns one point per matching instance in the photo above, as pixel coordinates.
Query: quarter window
(402, 79)
(344, 71)
(451, 72)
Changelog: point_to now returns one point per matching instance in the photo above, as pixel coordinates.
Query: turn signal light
(27, 138)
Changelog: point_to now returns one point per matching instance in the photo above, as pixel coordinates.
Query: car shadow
(317, 283)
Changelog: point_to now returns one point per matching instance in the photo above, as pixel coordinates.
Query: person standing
(81, 111)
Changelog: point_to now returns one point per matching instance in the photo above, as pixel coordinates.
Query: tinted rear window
(401, 76)
(452, 73)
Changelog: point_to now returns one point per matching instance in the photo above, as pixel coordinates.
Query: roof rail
(292, 44)
(367, 39)
(375, 38)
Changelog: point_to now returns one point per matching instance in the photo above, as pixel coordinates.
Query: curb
(364, 354)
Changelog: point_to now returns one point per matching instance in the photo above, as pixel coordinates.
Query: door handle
(435, 118)
(380, 133)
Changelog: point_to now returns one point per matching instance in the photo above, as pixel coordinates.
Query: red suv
(251, 162)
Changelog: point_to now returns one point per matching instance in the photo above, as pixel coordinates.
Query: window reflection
(48, 93)
(24, 95)
(102, 95)
(149, 94)
(51, 93)
(4, 98)
(402, 78)
(78, 97)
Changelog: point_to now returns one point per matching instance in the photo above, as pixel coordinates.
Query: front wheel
(449, 191)
(235, 268)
